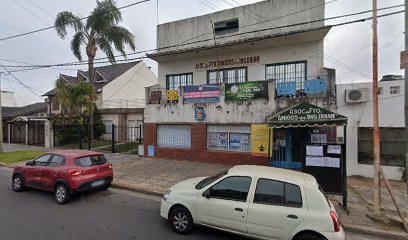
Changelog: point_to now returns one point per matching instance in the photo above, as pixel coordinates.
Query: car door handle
(292, 216)
(239, 209)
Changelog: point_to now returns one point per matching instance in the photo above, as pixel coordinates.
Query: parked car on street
(64, 173)
(254, 201)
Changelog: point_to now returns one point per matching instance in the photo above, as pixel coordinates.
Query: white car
(254, 201)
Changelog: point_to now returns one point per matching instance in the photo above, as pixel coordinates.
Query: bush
(69, 128)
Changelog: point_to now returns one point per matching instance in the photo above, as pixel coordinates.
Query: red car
(64, 173)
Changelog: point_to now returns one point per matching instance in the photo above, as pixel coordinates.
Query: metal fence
(113, 138)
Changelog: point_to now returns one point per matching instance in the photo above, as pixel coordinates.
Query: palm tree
(101, 31)
(74, 96)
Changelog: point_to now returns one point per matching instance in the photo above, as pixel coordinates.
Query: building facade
(221, 75)
(7, 99)
(355, 101)
(120, 97)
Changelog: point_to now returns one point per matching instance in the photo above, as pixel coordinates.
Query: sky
(347, 48)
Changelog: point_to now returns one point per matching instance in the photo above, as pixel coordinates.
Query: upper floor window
(99, 77)
(54, 104)
(174, 82)
(288, 72)
(228, 26)
(395, 90)
(232, 75)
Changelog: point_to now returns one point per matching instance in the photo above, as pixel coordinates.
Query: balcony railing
(244, 91)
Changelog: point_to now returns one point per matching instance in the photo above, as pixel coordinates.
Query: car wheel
(181, 220)
(106, 187)
(309, 236)
(61, 194)
(18, 183)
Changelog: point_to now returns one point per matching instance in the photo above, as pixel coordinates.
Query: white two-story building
(225, 76)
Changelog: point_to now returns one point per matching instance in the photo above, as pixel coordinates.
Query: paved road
(112, 214)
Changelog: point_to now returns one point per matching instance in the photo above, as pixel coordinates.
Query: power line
(33, 67)
(28, 87)
(51, 27)
(40, 8)
(31, 12)
(339, 63)
(182, 10)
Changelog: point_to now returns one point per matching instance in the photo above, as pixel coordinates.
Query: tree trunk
(92, 98)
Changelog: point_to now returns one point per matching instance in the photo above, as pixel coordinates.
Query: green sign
(305, 114)
(246, 91)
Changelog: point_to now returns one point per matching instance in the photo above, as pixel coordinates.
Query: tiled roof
(13, 112)
(109, 72)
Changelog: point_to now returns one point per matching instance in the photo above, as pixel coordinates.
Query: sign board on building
(246, 91)
(172, 95)
(218, 139)
(199, 113)
(260, 140)
(404, 59)
(201, 94)
(305, 114)
(227, 63)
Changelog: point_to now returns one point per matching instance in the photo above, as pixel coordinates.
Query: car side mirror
(30, 163)
(206, 194)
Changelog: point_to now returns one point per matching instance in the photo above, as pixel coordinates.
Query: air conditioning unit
(357, 95)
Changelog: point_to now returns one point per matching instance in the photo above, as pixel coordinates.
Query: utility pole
(1, 118)
(376, 132)
(406, 96)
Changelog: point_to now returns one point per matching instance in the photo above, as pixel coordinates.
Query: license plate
(98, 183)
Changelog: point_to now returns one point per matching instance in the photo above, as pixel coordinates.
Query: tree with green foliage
(73, 96)
(101, 31)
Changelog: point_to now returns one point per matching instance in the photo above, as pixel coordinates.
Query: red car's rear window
(90, 161)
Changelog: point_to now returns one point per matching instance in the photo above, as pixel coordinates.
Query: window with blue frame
(289, 77)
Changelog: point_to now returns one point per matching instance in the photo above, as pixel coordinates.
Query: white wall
(128, 90)
(285, 53)
(7, 99)
(391, 114)
(200, 28)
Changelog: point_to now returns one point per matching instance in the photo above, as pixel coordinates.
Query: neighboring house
(7, 99)
(223, 76)
(355, 101)
(25, 125)
(120, 94)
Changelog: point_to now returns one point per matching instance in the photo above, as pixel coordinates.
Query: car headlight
(166, 195)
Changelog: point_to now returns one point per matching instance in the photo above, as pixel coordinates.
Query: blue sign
(315, 86)
(150, 151)
(199, 113)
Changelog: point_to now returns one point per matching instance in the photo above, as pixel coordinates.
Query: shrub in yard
(68, 128)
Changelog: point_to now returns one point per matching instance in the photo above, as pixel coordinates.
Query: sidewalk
(155, 176)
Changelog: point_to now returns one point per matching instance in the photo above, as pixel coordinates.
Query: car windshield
(90, 161)
(205, 182)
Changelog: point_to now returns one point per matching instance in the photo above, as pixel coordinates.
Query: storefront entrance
(305, 138)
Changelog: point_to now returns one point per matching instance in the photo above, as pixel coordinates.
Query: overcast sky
(347, 48)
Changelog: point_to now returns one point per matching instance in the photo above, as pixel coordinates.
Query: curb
(136, 189)
(375, 232)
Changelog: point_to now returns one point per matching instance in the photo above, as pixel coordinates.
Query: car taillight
(336, 221)
(74, 172)
(110, 166)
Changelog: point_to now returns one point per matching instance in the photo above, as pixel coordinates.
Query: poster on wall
(218, 139)
(322, 162)
(260, 140)
(318, 138)
(246, 91)
(201, 94)
(235, 140)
